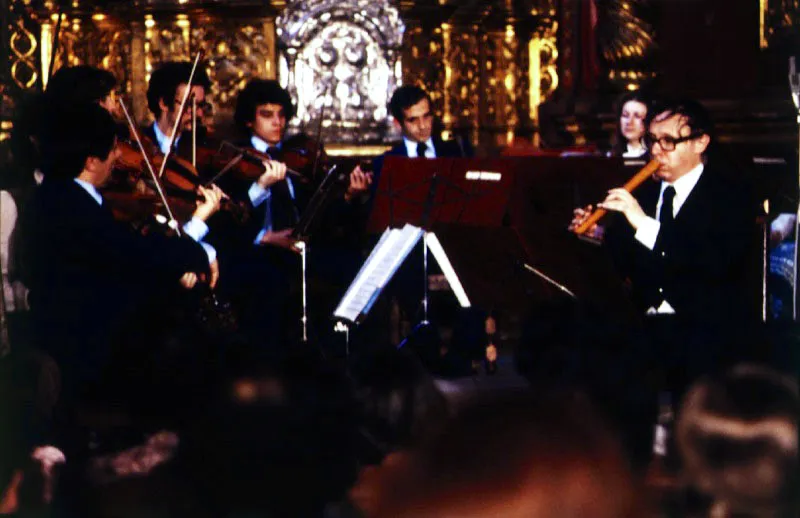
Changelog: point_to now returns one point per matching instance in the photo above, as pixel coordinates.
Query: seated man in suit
(411, 109)
(165, 92)
(687, 244)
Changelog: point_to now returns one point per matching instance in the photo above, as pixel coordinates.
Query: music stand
(431, 193)
(329, 189)
(426, 192)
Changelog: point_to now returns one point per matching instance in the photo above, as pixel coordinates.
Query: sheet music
(447, 269)
(390, 252)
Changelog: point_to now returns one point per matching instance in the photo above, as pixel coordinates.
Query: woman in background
(628, 141)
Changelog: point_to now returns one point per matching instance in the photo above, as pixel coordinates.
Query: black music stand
(436, 193)
(332, 186)
(427, 192)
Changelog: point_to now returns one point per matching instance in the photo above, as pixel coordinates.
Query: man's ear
(91, 164)
(397, 124)
(163, 106)
(701, 144)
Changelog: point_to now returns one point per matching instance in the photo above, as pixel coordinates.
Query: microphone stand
(794, 84)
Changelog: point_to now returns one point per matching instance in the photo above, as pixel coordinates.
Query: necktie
(282, 207)
(666, 217)
(421, 147)
(666, 214)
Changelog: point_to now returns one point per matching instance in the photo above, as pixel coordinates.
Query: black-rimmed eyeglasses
(668, 142)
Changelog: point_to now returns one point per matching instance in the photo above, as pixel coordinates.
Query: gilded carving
(462, 89)
(500, 71)
(625, 41)
(778, 17)
(23, 47)
(236, 52)
(423, 53)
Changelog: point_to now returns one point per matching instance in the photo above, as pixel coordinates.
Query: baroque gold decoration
(500, 69)
(234, 50)
(23, 47)
(462, 81)
(542, 72)
(423, 54)
(341, 57)
(237, 51)
(626, 42)
(778, 17)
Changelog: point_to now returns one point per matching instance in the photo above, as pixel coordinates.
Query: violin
(305, 159)
(134, 196)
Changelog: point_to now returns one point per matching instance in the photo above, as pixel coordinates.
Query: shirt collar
(633, 153)
(411, 147)
(163, 140)
(683, 186)
(91, 189)
(261, 145)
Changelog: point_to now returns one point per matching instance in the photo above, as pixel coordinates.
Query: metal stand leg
(425, 320)
(794, 86)
(341, 327)
(796, 242)
(304, 320)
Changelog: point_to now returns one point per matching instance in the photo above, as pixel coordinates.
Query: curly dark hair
(167, 77)
(256, 93)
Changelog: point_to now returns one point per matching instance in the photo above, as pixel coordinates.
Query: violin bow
(159, 189)
(194, 130)
(180, 115)
(319, 132)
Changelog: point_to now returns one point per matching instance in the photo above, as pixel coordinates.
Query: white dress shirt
(634, 153)
(259, 195)
(648, 230)
(163, 140)
(411, 148)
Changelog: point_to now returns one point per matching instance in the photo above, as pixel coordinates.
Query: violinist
(165, 92)
(263, 258)
(87, 273)
(263, 109)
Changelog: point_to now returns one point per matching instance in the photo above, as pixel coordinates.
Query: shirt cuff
(210, 252)
(648, 232)
(260, 235)
(196, 228)
(257, 194)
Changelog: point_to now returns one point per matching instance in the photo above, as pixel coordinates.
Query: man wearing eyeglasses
(689, 238)
(165, 92)
(687, 244)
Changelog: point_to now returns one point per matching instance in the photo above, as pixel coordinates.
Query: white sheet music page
(447, 269)
(390, 252)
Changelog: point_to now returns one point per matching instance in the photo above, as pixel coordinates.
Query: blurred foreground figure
(516, 456)
(737, 435)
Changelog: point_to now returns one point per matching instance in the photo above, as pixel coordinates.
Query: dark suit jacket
(444, 149)
(229, 235)
(87, 272)
(707, 270)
